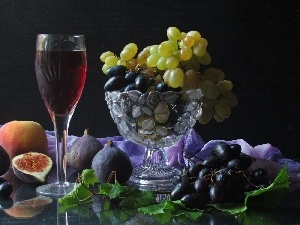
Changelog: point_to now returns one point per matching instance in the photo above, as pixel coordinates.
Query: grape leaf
(270, 196)
(88, 177)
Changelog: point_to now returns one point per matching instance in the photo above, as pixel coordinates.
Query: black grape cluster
(122, 79)
(221, 177)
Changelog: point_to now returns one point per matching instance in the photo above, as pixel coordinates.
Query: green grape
(161, 63)
(213, 74)
(191, 64)
(195, 34)
(132, 46)
(111, 60)
(165, 49)
(218, 118)
(152, 59)
(207, 102)
(142, 56)
(230, 97)
(186, 53)
(190, 80)
(182, 34)
(174, 44)
(199, 49)
(206, 114)
(205, 59)
(132, 63)
(209, 89)
(176, 77)
(225, 85)
(153, 49)
(172, 62)
(105, 68)
(127, 54)
(166, 76)
(188, 41)
(173, 33)
(121, 62)
(104, 55)
(203, 41)
(222, 108)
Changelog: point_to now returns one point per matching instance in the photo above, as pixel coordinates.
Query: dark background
(255, 42)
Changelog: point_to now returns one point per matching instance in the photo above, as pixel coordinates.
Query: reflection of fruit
(5, 189)
(28, 208)
(109, 160)
(18, 137)
(4, 161)
(32, 167)
(82, 151)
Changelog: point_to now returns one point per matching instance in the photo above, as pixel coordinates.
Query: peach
(18, 137)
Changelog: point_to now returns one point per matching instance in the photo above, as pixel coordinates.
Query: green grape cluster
(176, 62)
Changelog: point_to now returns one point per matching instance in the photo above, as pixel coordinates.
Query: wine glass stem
(61, 125)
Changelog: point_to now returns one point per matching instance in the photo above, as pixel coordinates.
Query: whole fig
(112, 161)
(82, 151)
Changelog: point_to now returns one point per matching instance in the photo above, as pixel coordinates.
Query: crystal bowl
(154, 120)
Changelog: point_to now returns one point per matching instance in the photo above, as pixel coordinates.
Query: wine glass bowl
(154, 120)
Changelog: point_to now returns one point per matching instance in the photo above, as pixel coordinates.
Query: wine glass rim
(61, 34)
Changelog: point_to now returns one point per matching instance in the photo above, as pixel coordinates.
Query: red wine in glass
(61, 77)
(60, 66)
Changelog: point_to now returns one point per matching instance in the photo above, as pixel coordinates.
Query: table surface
(286, 213)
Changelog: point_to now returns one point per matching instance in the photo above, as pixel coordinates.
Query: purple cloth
(191, 147)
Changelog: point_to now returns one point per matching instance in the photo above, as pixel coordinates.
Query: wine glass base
(154, 178)
(55, 190)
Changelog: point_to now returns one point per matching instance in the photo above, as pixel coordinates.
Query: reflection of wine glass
(154, 120)
(60, 66)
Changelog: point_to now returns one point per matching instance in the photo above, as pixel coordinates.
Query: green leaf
(89, 177)
(79, 194)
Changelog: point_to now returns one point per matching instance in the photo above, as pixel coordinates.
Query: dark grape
(5, 189)
(236, 164)
(129, 87)
(6, 203)
(217, 193)
(181, 189)
(118, 70)
(201, 186)
(194, 201)
(212, 162)
(194, 171)
(131, 75)
(142, 82)
(115, 83)
(204, 172)
(224, 152)
(259, 176)
(2, 180)
(235, 149)
(246, 160)
(162, 87)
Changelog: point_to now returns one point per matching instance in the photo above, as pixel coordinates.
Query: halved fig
(32, 167)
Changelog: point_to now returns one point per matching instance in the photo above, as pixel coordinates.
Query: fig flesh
(82, 151)
(112, 161)
(32, 167)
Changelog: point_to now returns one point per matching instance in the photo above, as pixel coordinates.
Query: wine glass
(154, 120)
(60, 66)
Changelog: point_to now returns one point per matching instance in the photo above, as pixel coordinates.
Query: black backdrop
(256, 44)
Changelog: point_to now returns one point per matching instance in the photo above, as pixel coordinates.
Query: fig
(4, 161)
(32, 167)
(112, 161)
(82, 151)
